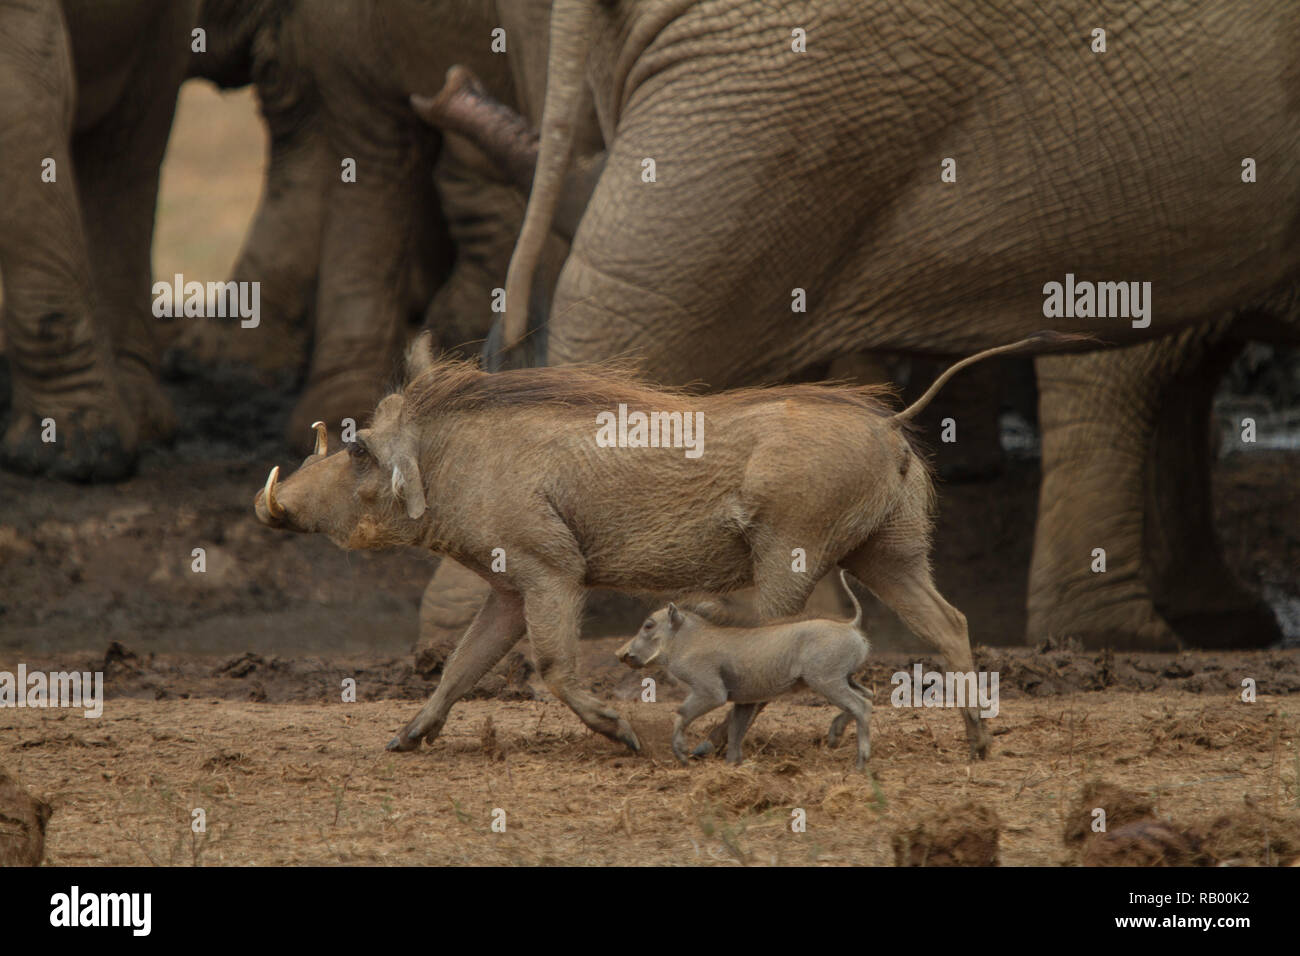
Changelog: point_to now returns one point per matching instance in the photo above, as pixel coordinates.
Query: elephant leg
(1191, 585)
(450, 602)
(282, 248)
(1096, 416)
(118, 161)
(363, 299)
(1126, 460)
(498, 627)
(60, 355)
(1094, 448)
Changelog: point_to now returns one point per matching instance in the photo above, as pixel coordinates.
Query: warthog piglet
(752, 665)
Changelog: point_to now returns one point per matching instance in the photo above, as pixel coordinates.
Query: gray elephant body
(90, 92)
(821, 171)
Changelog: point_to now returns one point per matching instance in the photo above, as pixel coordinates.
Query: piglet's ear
(675, 617)
(408, 486)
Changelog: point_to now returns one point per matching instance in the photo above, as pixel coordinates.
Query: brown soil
(963, 836)
(22, 824)
(311, 782)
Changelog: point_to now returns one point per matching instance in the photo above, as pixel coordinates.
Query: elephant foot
(331, 402)
(1156, 637)
(1130, 624)
(87, 445)
(147, 404)
(1243, 628)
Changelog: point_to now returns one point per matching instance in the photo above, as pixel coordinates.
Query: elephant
(1127, 449)
(248, 44)
(912, 262)
(626, 244)
(333, 80)
(90, 89)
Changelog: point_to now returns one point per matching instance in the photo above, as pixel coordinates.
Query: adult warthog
(512, 476)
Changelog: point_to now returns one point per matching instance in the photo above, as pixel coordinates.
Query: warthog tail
(1037, 344)
(856, 623)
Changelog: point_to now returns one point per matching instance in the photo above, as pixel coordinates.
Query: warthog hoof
(703, 749)
(404, 743)
(624, 735)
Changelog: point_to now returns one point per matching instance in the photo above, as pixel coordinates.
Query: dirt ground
(223, 686)
(307, 783)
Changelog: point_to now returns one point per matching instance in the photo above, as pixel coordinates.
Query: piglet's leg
(742, 715)
(496, 628)
(837, 728)
(842, 694)
(702, 699)
(554, 613)
(781, 592)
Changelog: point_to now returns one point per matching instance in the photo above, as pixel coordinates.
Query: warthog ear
(408, 486)
(419, 356)
(675, 617)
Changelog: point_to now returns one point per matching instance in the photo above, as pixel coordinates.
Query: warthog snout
(628, 655)
(648, 643)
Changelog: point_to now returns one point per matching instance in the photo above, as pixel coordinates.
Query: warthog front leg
(780, 594)
(699, 701)
(554, 614)
(496, 628)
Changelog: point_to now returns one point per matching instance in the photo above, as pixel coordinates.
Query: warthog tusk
(322, 438)
(272, 506)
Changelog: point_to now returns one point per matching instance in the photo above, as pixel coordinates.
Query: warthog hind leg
(902, 581)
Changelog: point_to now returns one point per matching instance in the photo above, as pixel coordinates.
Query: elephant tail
(1036, 344)
(571, 22)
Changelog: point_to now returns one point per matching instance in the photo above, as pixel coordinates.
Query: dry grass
(296, 783)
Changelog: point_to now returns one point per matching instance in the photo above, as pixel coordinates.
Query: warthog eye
(649, 625)
(358, 450)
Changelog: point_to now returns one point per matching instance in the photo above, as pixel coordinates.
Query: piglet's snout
(625, 655)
